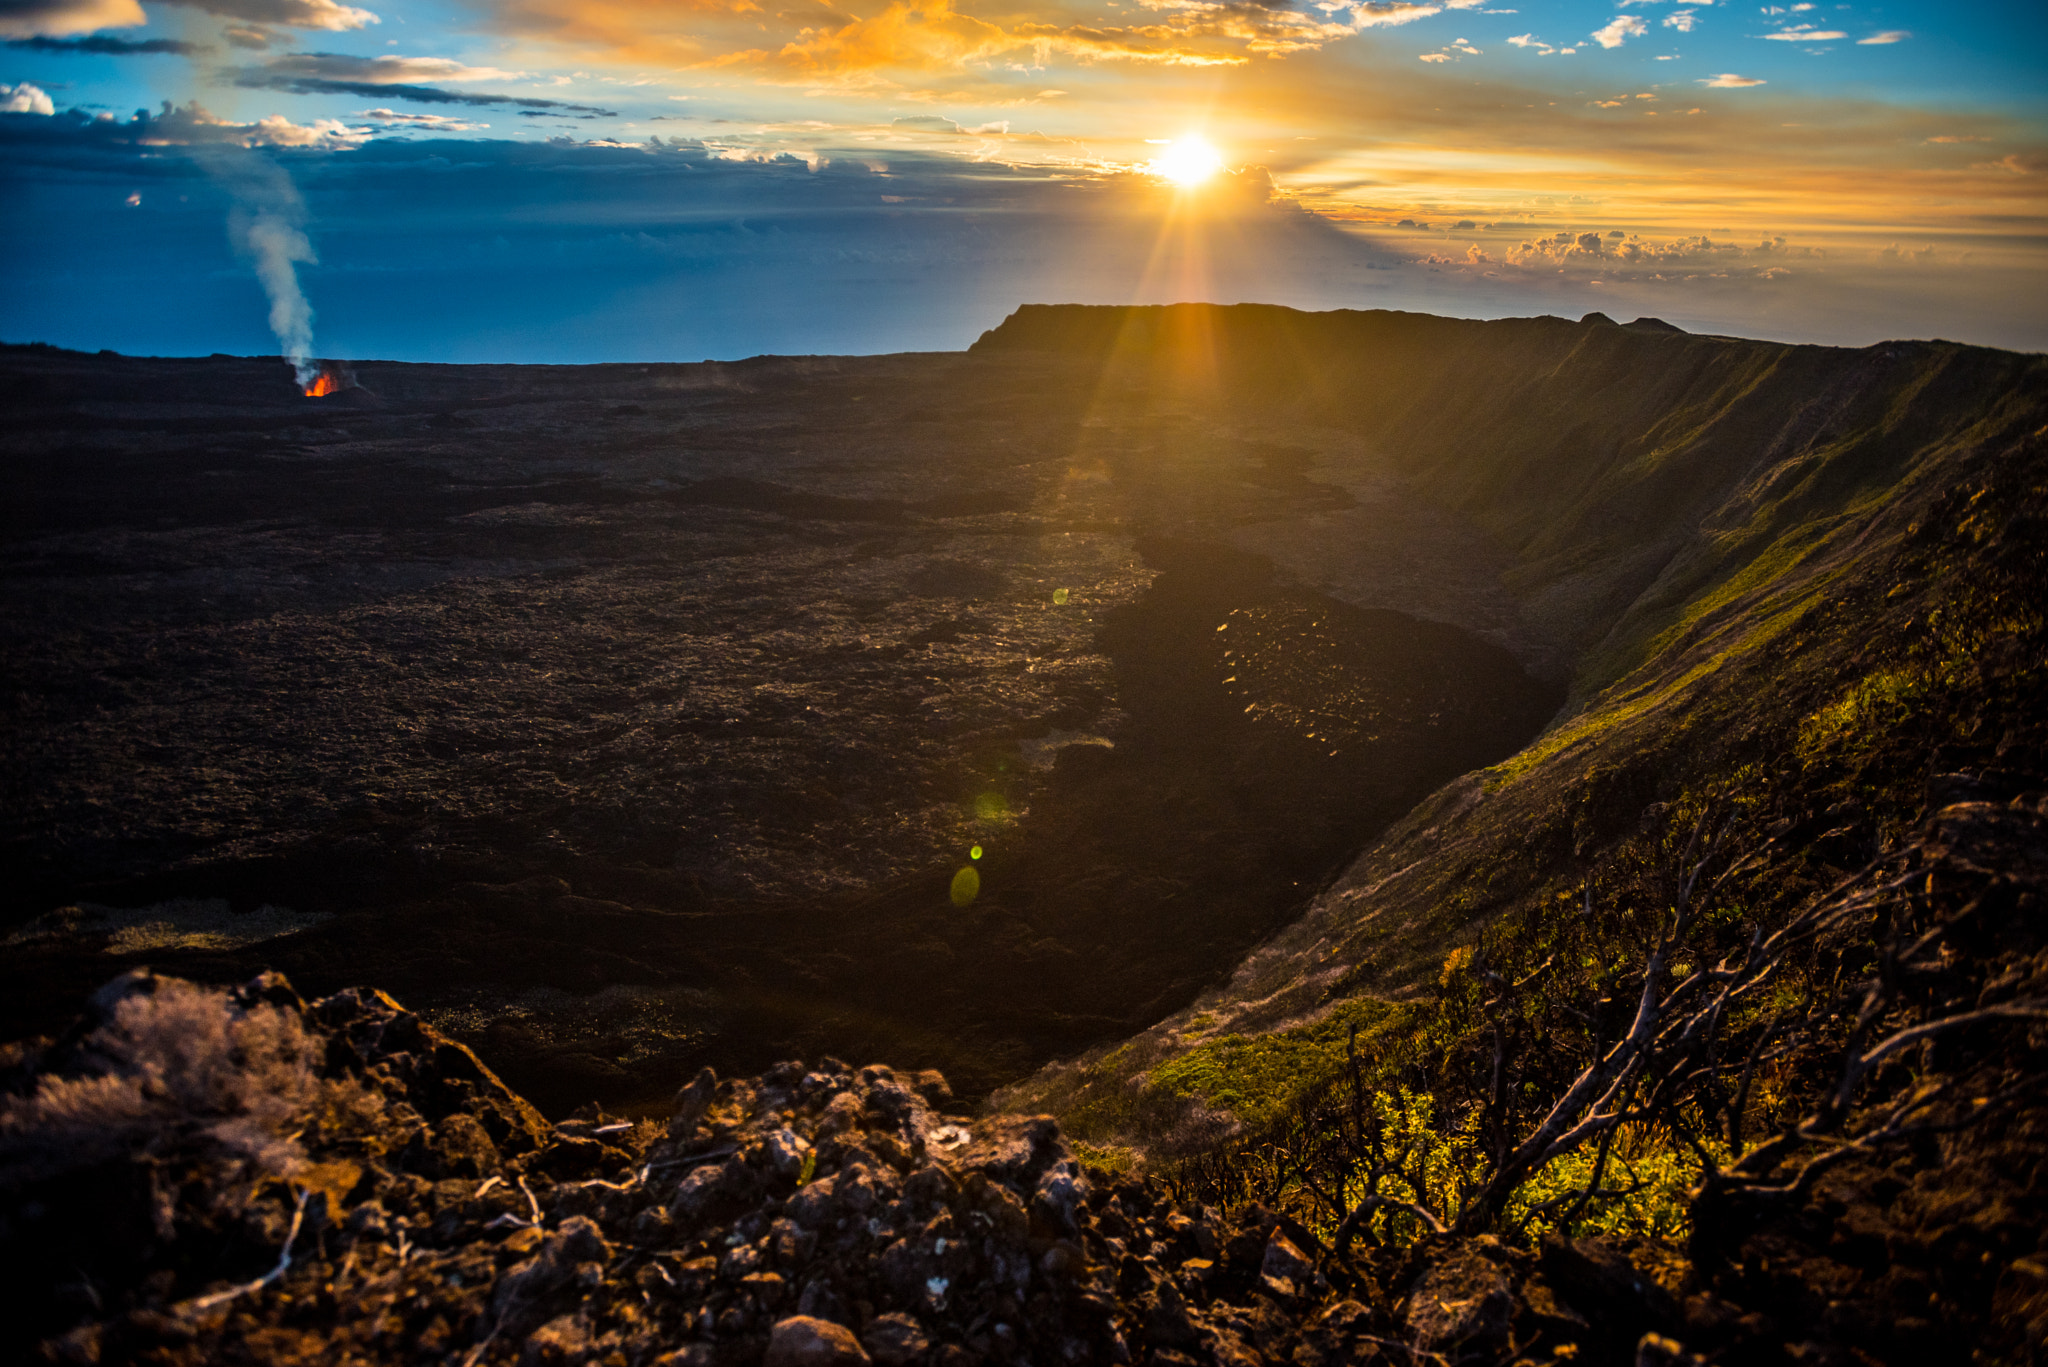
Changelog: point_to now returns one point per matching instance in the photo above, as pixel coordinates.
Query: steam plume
(267, 227)
(273, 244)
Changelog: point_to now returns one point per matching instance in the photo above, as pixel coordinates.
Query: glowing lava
(324, 385)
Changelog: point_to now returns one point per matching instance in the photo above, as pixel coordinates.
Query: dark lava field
(626, 719)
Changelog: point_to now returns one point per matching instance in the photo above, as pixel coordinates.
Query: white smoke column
(273, 245)
(267, 227)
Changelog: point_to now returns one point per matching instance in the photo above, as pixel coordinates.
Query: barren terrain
(625, 718)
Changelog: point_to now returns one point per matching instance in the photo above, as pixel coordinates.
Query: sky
(608, 180)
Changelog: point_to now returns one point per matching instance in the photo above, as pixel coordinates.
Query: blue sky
(643, 179)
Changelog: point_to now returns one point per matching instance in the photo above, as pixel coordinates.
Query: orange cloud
(908, 36)
(819, 43)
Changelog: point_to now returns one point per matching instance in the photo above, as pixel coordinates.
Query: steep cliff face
(1629, 473)
(1792, 583)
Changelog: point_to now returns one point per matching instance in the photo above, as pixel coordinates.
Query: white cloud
(319, 14)
(64, 18)
(1684, 21)
(1728, 80)
(25, 99)
(1385, 13)
(1451, 52)
(276, 130)
(335, 66)
(192, 124)
(1624, 26)
(441, 123)
(1893, 35)
(1688, 255)
(1805, 33)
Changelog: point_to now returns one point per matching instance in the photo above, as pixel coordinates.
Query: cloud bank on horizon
(513, 179)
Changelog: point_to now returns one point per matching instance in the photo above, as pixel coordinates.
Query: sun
(1188, 162)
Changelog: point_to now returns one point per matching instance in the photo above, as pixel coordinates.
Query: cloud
(417, 94)
(1894, 35)
(2017, 164)
(1623, 26)
(102, 45)
(1728, 80)
(336, 66)
(1805, 33)
(315, 14)
(440, 123)
(1451, 52)
(193, 125)
(275, 130)
(1689, 256)
(1379, 15)
(930, 37)
(332, 73)
(25, 99)
(63, 18)
(673, 252)
(1685, 21)
(909, 44)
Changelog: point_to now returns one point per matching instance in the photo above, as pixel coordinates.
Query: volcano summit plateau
(1457, 822)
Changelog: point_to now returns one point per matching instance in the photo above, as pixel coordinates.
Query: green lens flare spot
(991, 807)
(974, 853)
(966, 886)
(1059, 597)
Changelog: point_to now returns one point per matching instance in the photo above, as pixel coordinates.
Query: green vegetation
(1855, 604)
(1257, 1077)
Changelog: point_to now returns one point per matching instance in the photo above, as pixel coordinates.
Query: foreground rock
(190, 1176)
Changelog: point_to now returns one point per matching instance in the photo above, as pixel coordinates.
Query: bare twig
(284, 1262)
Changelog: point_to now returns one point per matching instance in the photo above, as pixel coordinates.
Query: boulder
(801, 1341)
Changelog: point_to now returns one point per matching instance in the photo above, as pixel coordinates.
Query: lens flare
(966, 886)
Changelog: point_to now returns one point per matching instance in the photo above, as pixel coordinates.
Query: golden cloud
(820, 43)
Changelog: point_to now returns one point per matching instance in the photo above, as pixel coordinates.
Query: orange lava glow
(325, 385)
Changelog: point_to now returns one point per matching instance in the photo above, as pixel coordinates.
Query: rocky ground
(190, 1175)
(629, 718)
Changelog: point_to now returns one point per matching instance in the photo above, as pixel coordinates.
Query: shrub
(174, 1065)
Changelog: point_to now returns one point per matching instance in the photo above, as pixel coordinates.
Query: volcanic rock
(801, 1341)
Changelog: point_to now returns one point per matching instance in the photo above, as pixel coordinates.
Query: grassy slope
(1766, 556)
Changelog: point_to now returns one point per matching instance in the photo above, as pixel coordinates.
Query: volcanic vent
(329, 377)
